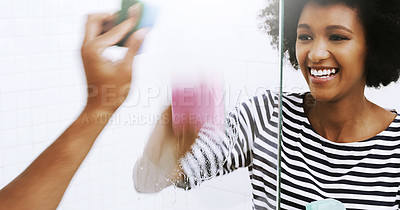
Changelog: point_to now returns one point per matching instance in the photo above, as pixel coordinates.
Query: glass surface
(281, 62)
(42, 91)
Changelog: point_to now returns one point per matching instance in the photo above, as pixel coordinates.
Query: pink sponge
(196, 105)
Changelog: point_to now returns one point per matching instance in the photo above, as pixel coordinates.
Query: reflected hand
(158, 168)
(109, 81)
(183, 140)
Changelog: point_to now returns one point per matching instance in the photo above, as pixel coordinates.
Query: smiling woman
(336, 42)
(335, 143)
(380, 21)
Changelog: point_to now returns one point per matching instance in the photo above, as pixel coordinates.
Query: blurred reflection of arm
(158, 167)
(192, 160)
(43, 183)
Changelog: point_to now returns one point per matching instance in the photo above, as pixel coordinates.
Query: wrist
(96, 115)
(101, 105)
(99, 109)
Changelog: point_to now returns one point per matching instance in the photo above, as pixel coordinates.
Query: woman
(336, 143)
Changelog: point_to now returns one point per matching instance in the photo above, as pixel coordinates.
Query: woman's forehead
(315, 14)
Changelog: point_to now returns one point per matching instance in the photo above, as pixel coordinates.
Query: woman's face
(331, 51)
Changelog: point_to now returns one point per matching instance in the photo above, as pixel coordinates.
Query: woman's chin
(323, 96)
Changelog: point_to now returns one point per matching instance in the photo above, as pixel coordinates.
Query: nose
(318, 51)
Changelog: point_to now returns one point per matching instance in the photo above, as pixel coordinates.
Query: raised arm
(43, 183)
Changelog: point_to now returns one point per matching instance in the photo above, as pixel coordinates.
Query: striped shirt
(362, 175)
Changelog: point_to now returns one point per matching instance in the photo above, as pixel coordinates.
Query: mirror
(42, 92)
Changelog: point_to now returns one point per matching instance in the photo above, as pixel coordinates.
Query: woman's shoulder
(394, 125)
(268, 101)
(272, 98)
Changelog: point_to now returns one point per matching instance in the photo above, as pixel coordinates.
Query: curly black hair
(381, 21)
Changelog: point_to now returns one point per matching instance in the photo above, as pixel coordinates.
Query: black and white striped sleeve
(220, 151)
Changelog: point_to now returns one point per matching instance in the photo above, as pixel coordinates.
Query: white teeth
(325, 73)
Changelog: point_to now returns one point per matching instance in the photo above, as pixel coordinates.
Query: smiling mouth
(323, 73)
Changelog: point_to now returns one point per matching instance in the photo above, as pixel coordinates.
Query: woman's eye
(337, 38)
(304, 37)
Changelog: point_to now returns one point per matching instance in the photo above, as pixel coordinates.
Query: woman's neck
(348, 120)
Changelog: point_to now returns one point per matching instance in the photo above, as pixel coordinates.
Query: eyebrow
(305, 26)
(331, 27)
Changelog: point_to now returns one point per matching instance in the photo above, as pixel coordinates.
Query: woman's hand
(109, 81)
(43, 183)
(159, 167)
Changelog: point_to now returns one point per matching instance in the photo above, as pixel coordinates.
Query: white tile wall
(42, 91)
